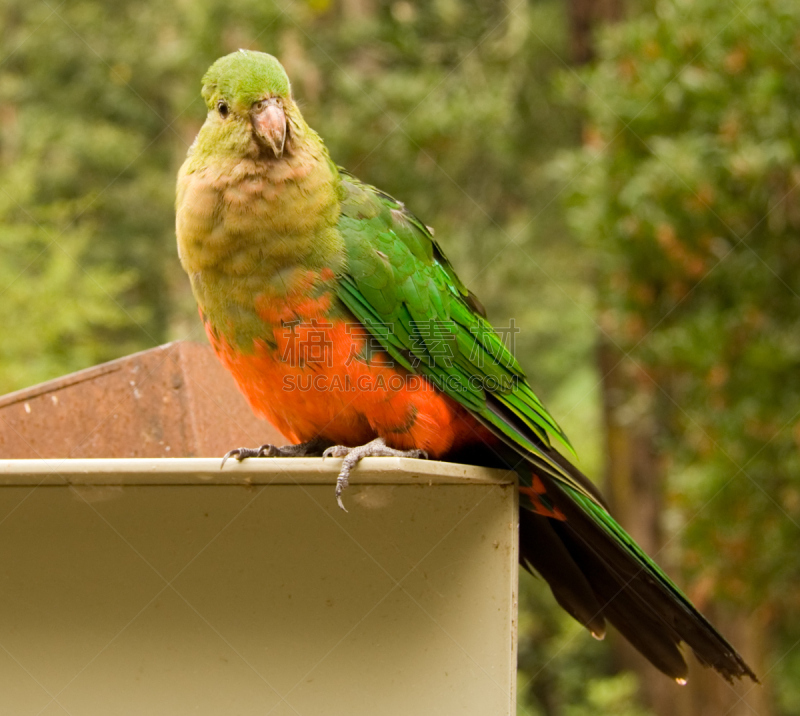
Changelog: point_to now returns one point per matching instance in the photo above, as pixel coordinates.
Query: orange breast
(324, 379)
(327, 377)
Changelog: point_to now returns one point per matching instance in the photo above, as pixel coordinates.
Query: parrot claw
(312, 448)
(241, 453)
(352, 456)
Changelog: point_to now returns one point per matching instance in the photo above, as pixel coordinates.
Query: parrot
(345, 326)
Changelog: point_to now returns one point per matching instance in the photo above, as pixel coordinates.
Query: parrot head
(250, 107)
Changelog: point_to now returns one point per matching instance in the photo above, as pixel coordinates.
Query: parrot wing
(401, 286)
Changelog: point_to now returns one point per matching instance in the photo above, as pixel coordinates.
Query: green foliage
(57, 309)
(54, 311)
(87, 192)
(687, 189)
(615, 696)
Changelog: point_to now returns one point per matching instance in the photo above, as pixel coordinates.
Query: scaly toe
(269, 451)
(336, 451)
(239, 454)
(243, 453)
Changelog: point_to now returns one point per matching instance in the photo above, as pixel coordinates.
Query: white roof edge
(266, 471)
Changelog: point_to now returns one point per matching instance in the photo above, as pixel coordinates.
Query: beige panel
(198, 598)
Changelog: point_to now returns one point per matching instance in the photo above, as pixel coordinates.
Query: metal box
(171, 587)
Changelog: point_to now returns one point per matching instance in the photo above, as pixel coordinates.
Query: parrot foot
(352, 456)
(312, 448)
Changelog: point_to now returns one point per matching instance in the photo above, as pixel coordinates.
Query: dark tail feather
(541, 549)
(596, 577)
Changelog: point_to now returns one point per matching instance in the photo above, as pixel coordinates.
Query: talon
(238, 453)
(352, 456)
(225, 457)
(341, 485)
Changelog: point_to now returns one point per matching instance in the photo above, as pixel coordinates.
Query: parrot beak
(269, 121)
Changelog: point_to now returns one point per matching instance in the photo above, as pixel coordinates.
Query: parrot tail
(597, 573)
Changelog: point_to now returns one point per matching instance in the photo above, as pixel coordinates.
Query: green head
(249, 98)
(243, 78)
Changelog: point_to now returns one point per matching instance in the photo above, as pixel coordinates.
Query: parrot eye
(222, 108)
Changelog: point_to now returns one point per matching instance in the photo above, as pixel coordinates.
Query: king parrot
(345, 326)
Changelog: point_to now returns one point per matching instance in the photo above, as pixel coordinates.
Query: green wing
(399, 284)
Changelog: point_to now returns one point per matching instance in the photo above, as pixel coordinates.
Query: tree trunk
(584, 17)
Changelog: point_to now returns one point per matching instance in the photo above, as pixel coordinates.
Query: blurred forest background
(621, 179)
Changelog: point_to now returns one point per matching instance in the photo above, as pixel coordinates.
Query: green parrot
(344, 325)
